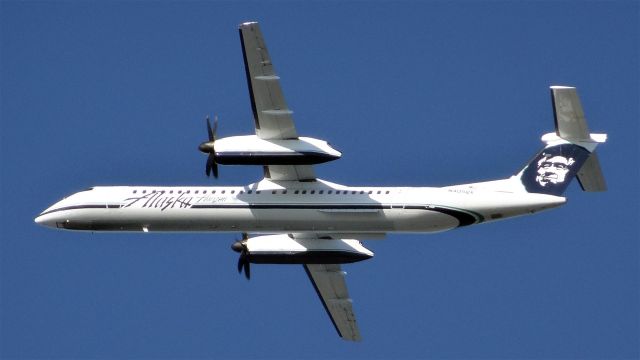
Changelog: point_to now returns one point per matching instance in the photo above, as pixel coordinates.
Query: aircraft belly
(297, 220)
(424, 221)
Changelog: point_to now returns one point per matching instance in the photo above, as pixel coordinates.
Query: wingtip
(558, 87)
(247, 23)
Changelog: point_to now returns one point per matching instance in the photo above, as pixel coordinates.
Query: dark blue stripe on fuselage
(74, 207)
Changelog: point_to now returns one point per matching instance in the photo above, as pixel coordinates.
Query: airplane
(296, 218)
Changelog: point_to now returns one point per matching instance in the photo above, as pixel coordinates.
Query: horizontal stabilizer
(568, 113)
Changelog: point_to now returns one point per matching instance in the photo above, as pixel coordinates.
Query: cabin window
(313, 191)
(329, 192)
(387, 192)
(249, 191)
(370, 192)
(240, 192)
(258, 191)
(135, 191)
(196, 191)
(304, 191)
(274, 191)
(321, 191)
(353, 192)
(296, 192)
(284, 191)
(144, 191)
(233, 191)
(188, 191)
(222, 191)
(379, 191)
(361, 191)
(204, 191)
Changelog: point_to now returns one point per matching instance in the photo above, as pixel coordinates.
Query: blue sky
(413, 93)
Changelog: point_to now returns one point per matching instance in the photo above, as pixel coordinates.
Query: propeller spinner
(207, 147)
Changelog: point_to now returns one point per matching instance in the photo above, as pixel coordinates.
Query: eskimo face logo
(553, 169)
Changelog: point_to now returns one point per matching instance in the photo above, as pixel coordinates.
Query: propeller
(240, 246)
(207, 147)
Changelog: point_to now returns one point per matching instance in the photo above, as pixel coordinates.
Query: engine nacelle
(282, 249)
(252, 150)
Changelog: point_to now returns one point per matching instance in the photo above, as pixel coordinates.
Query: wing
(272, 117)
(328, 281)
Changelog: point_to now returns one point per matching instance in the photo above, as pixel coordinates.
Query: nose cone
(51, 216)
(45, 219)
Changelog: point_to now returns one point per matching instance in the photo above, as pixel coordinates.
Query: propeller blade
(243, 259)
(211, 164)
(210, 132)
(247, 270)
(215, 169)
(243, 263)
(208, 147)
(240, 263)
(215, 127)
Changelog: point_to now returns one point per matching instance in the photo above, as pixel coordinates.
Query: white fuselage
(288, 207)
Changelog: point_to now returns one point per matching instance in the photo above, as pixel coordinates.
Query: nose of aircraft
(45, 220)
(50, 217)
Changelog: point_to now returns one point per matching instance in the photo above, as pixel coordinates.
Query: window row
(319, 192)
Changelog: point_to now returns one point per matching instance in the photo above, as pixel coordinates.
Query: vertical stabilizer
(552, 169)
(569, 152)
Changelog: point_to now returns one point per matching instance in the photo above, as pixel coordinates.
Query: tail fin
(569, 152)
